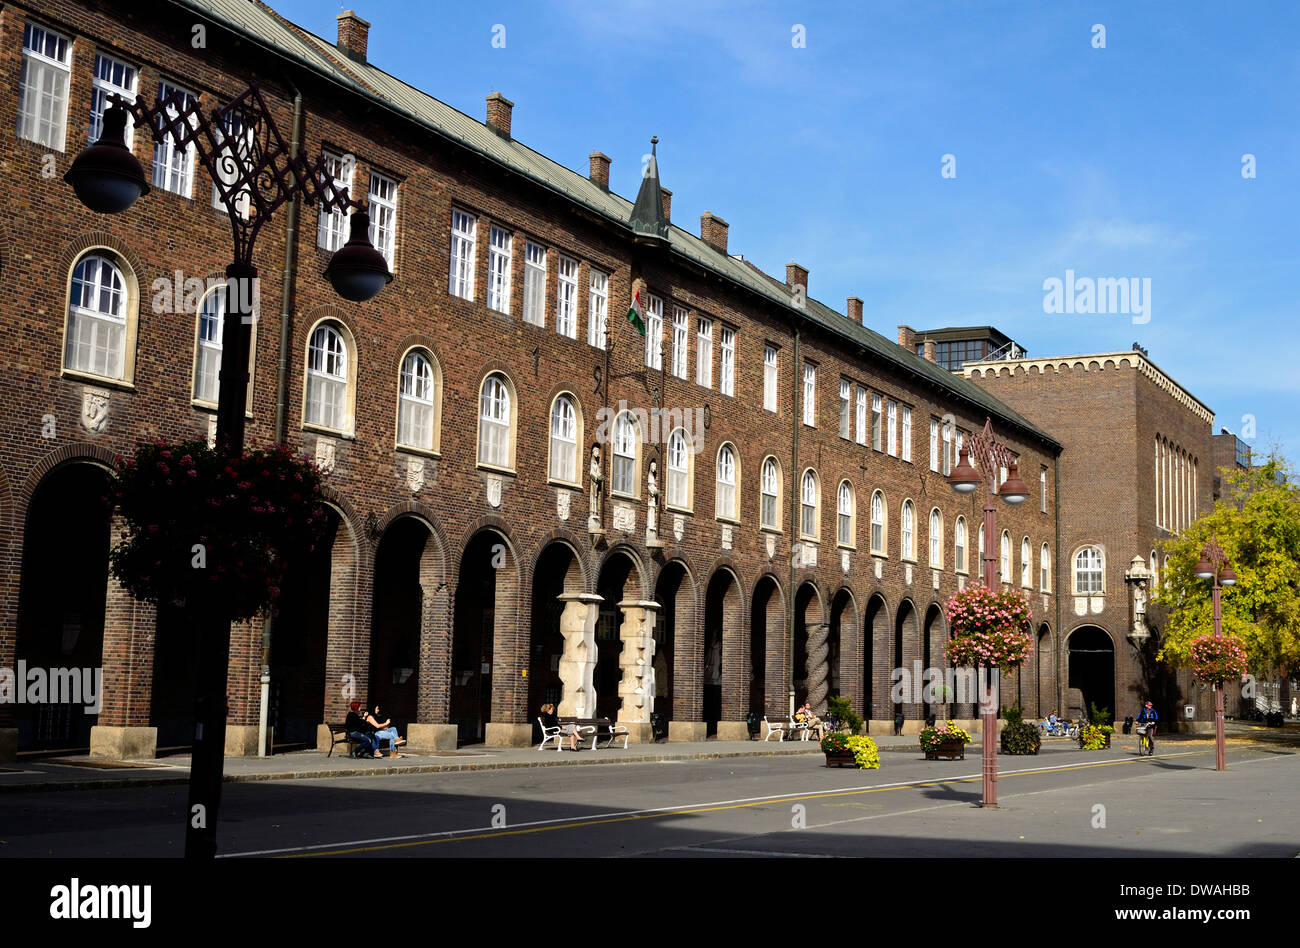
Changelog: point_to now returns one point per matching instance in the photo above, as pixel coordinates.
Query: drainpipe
(795, 382)
(281, 386)
(1058, 591)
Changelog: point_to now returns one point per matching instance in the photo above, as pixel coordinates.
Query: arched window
(936, 538)
(770, 495)
(97, 330)
(959, 545)
(564, 440)
(1044, 569)
(327, 379)
(878, 523)
(725, 497)
(908, 531)
(1155, 574)
(627, 440)
(1004, 575)
(808, 506)
(844, 511)
(981, 565)
(207, 361)
(1088, 571)
(494, 422)
(1024, 564)
(417, 402)
(679, 471)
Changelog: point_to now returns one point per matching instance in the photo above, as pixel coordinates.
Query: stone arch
(934, 635)
(678, 653)
(767, 634)
(907, 652)
(808, 650)
(725, 656)
(638, 565)
(1090, 669)
(1046, 693)
(561, 631)
(844, 657)
(877, 661)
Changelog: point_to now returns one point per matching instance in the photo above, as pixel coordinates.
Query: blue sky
(1123, 161)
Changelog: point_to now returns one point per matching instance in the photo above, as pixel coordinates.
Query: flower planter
(952, 750)
(841, 759)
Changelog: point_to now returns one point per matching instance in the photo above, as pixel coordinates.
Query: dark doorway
(1092, 667)
(611, 587)
(765, 625)
(474, 632)
(395, 622)
(720, 612)
(547, 642)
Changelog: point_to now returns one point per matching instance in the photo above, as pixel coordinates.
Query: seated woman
(385, 732)
(359, 728)
(550, 720)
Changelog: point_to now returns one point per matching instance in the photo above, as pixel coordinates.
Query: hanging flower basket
(1216, 660)
(213, 531)
(989, 629)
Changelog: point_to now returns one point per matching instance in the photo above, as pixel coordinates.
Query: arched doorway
(676, 641)
(1045, 668)
(724, 697)
(907, 655)
(61, 614)
(484, 595)
(809, 652)
(876, 649)
(934, 657)
(408, 574)
(1092, 668)
(557, 586)
(617, 582)
(766, 638)
(841, 663)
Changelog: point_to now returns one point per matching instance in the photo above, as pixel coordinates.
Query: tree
(1258, 525)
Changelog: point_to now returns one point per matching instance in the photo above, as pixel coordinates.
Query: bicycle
(1146, 740)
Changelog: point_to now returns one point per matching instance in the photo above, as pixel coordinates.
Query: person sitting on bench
(550, 720)
(360, 730)
(384, 731)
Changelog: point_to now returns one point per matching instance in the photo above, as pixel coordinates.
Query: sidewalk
(80, 772)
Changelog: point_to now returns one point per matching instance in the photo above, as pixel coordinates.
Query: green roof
(266, 27)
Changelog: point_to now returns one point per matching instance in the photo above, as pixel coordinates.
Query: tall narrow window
(97, 318)
(681, 339)
(111, 76)
(415, 402)
(494, 422)
(1024, 564)
(948, 457)
(597, 308)
(623, 472)
(893, 429)
(862, 415)
(844, 408)
(875, 423)
(809, 394)
(907, 433)
(654, 332)
(1004, 566)
(769, 494)
(934, 444)
(877, 523)
(808, 506)
(234, 140)
(1045, 569)
(43, 88)
(1042, 489)
(464, 230)
(679, 471)
(980, 531)
(936, 539)
(327, 379)
(499, 242)
(566, 299)
(383, 216)
(173, 163)
(207, 368)
(959, 545)
(726, 484)
(534, 283)
(908, 531)
(1088, 572)
(727, 363)
(332, 226)
(844, 514)
(769, 378)
(564, 440)
(704, 352)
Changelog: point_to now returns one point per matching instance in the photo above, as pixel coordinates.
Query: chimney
(713, 231)
(796, 275)
(855, 309)
(666, 198)
(498, 114)
(353, 32)
(599, 169)
(929, 351)
(907, 338)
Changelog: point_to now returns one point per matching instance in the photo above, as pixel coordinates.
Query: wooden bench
(777, 727)
(607, 730)
(339, 735)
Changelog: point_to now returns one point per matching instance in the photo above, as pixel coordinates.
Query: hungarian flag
(636, 313)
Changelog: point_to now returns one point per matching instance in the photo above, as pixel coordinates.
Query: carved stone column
(578, 662)
(818, 669)
(637, 686)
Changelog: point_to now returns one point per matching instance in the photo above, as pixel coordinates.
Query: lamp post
(990, 455)
(1214, 568)
(254, 173)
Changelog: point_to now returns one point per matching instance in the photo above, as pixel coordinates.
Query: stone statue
(596, 516)
(1140, 604)
(652, 504)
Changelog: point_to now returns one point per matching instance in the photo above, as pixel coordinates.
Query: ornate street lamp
(1213, 568)
(254, 174)
(990, 455)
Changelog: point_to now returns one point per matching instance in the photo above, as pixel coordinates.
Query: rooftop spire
(648, 220)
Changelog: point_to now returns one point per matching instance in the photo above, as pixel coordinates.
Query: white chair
(550, 734)
(615, 732)
(774, 727)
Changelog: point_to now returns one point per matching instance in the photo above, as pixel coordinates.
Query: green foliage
(1258, 525)
(865, 753)
(841, 710)
(1094, 737)
(1020, 738)
(835, 743)
(932, 737)
(1098, 715)
(1014, 715)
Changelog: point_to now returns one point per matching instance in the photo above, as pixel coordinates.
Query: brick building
(805, 538)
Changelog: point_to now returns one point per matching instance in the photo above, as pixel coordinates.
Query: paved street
(791, 805)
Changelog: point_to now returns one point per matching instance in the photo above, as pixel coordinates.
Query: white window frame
(495, 422)
(704, 352)
(534, 283)
(893, 429)
(238, 128)
(681, 341)
(597, 308)
(1026, 566)
(1004, 560)
(907, 531)
(877, 441)
(332, 226)
(678, 463)
(464, 248)
(500, 260)
(1095, 569)
(417, 401)
(1042, 488)
(861, 419)
(809, 502)
(566, 298)
(770, 495)
(844, 513)
(625, 450)
(102, 87)
(562, 465)
(846, 391)
(810, 395)
(44, 87)
(936, 538)
(934, 445)
(654, 332)
(383, 217)
(770, 371)
(207, 358)
(96, 329)
(725, 488)
(1045, 570)
(879, 538)
(959, 543)
(727, 360)
(171, 173)
(907, 434)
(327, 378)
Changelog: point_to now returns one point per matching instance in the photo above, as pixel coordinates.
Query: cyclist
(1149, 717)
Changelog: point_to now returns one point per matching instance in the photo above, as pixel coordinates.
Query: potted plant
(944, 740)
(1095, 736)
(841, 749)
(1019, 736)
